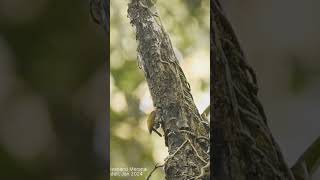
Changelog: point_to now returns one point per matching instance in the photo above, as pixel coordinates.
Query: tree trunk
(186, 132)
(243, 146)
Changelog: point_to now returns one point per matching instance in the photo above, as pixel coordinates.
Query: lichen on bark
(186, 132)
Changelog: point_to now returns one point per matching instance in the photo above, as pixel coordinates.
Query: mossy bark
(186, 132)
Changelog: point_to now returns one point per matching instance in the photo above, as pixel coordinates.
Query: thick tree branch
(243, 146)
(177, 114)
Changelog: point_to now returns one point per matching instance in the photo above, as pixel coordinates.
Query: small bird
(150, 123)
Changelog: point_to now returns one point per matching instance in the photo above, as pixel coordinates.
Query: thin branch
(155, 168)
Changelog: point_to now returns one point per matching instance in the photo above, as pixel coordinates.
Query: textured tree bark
(186, 132)
(242, 144)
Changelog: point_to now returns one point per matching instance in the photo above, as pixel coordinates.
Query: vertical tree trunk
(186, 132)
(243, 146)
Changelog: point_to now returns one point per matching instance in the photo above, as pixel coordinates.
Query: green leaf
(308, 163)
(206, 111)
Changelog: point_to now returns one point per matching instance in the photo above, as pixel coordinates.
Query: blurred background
(53, 91)
(188, 25)
(281, 39)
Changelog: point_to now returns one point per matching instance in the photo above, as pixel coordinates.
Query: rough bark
(243, 146)
(186, 133)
